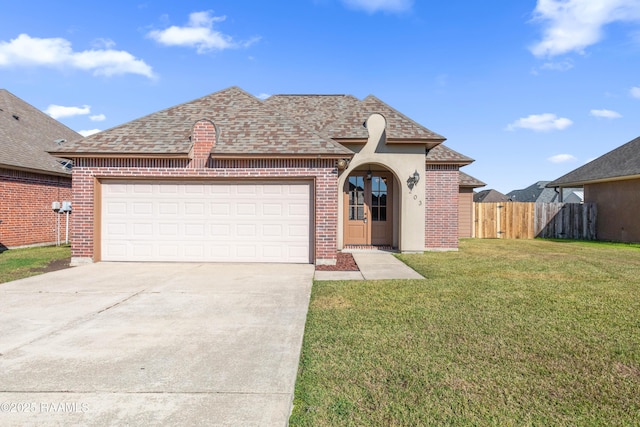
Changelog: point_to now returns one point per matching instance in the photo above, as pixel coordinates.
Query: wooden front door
(368, 210)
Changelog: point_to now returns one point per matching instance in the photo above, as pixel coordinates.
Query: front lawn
(20, 263)
(503, 332)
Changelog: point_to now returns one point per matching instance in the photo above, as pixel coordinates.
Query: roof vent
(60, 141)
(16, 117)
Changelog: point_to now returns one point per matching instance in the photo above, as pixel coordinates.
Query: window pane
(360, 213)
(383, 214)
(360, 198)
(374, 214)
(383, 200)
(374, 200)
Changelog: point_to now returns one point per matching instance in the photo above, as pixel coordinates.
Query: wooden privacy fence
(518, 220)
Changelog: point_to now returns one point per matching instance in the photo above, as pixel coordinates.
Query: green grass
(501, 333)
(20, 263)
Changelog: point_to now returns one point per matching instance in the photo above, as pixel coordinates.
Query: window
(356, 197)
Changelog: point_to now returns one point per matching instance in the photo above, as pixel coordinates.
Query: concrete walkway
(375, 265)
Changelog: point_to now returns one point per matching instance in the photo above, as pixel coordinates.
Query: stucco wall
(25, 211)
(88, 171)
(618, 206)
(402, 160)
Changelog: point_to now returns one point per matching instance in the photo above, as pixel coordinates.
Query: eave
(592, 181)
(118, 155)
(37, 171)
(280, 156)
(449, 162)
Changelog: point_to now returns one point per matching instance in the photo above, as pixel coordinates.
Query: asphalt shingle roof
(26, 134)
(315, 111)
(619, 163)
(245, 125)
(489, 196)
(343, 116)
(279, 125)
(469, 181)
(536, 192)
(443, 154)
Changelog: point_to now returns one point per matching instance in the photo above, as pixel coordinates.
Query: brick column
(441, 209)
(203, 137)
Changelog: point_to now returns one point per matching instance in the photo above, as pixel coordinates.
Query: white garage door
(188, 221)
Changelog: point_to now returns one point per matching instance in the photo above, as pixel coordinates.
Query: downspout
(559, 194)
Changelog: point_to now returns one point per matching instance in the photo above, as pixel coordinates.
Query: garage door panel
(206, 222)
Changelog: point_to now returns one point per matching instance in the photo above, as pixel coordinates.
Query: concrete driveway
(152, 344)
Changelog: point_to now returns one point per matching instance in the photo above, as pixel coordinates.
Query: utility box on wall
(66, 207)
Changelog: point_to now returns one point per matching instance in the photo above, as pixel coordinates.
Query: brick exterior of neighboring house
(231, 136)
(30, 178)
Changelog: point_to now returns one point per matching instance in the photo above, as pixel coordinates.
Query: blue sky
(530, 89)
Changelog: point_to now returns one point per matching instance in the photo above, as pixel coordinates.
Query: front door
(367, 216)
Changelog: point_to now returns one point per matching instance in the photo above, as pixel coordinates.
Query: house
(490, 196)
(465, 204)
(540, 193)
(612, 182)
(30, 178)
(293, 178)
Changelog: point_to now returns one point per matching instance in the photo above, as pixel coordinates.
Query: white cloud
(59, 111)
(103, 43)
(562, 158)
(198, 33)
(541, 123)
(573, 25)
(98, 118)
(89, 132)
(26, 51)
(373, 6)
(558, 66)
(605, 114)
(635, 92)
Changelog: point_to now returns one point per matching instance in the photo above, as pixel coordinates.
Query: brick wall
(25, 207)
(441, 210)
(323, 171)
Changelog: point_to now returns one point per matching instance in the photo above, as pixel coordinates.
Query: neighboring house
(294, 178)
(572, 195)
(30, 178)
(465, 204)
(612, 182)
(540, 193)
(489, 196)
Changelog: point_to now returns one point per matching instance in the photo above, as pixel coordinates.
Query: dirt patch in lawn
(345, 262)
(55, 265)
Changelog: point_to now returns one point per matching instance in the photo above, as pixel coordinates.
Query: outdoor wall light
(342, 164)
(413, 180)
(369, 175)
